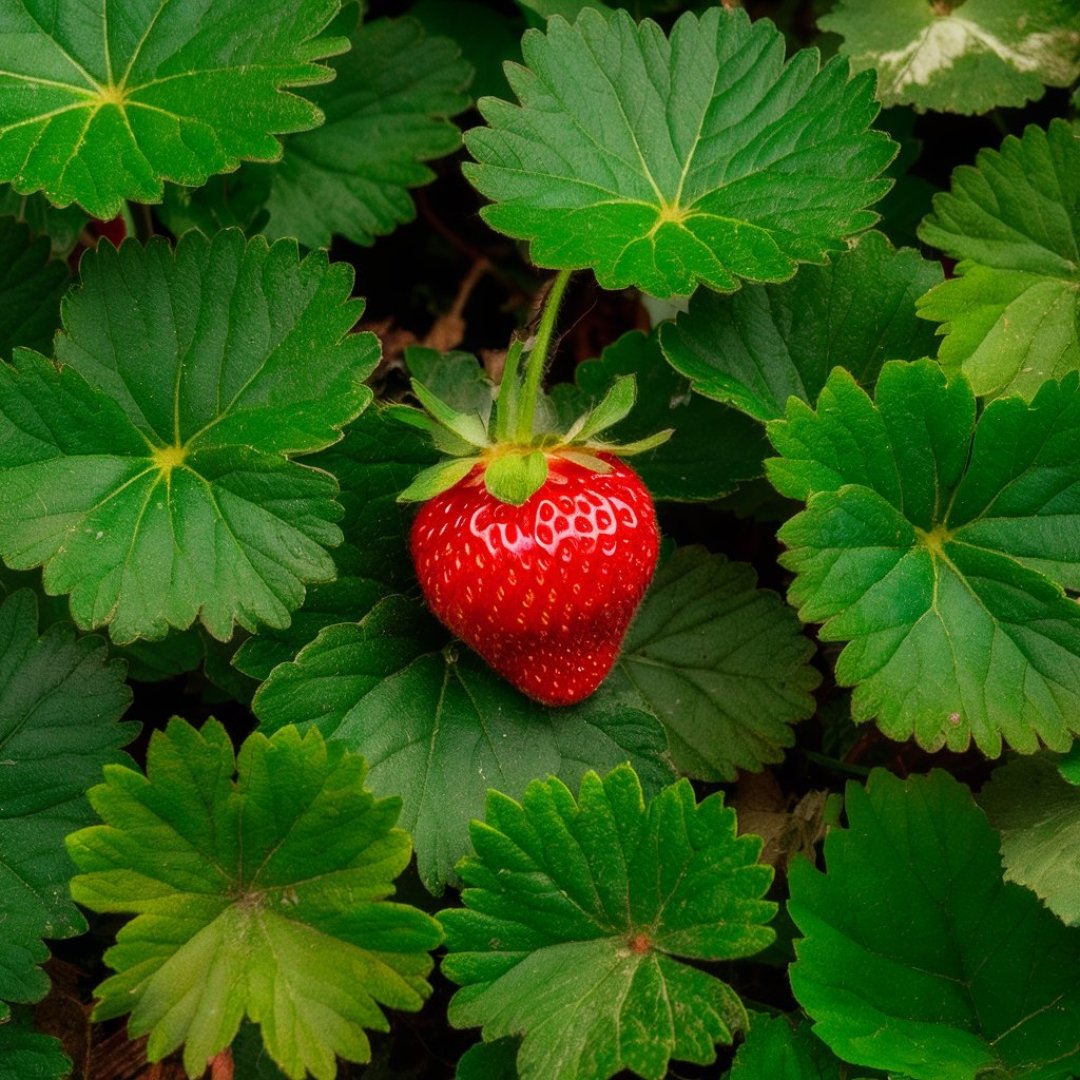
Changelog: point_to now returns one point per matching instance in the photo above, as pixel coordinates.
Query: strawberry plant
(540, 539)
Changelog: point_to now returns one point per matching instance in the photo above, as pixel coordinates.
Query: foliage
(566, 225)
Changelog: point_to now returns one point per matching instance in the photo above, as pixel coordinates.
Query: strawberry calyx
(507, 451)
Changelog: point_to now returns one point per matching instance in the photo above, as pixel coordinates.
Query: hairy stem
(538, 356)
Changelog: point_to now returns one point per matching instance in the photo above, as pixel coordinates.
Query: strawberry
(544, 591)
(534, 546)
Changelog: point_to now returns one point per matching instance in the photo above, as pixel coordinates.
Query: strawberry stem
(537, 362)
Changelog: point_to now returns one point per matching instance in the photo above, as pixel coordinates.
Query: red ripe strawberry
(544, 591)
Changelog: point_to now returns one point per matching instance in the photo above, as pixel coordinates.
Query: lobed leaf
(766, 343)
(579, 913)
(939, 547)
(917, 957)
(439, 728)
(261, 894)
(101, 106)
(663, 162)
(386, 112)
(149, 473)
(1011, 316)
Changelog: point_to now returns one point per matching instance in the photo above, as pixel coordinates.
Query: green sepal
(613, 407)
(640, 446)
(437, 479)
(586, 460)
(469, 428)
(442, 437)
(512, 478)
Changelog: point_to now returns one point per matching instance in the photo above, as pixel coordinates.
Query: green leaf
(1012, 314)
(614, 406)
(102, 106)
(917, 958)
(62, 227)
(712, 449)
(150, 473)
(26, 1054)
(764, 344)
(777, 1050)
(664, 162)
(60, 700)
(235, 200)
(578, 914)
(938, 547)
(439, 728)
(467, 426)
(721, 663)
(489, 1061)
(1037, 812)
(261, 895)
(455, 377)
(1069, 765)
(31, 284)
(487, 38)
(968, 56)
(387, 111)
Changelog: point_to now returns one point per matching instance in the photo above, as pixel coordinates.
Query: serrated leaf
(101, 106)
(1037, 812)
(439, 728)
(26, 1054)
(764, 344)
(1012, 314)
(375, 460)
(150, 474)
(966, 57)
(578, 914)
(664, 162)
(31, 284)
(1069, 764)
(917, 958)
(721, 663)
(712, 448)
(387, 112)
(261, 895)
(60, 700)
(779, 1050)
(938, 547)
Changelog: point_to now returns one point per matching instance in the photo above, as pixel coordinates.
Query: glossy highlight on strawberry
(544, 591)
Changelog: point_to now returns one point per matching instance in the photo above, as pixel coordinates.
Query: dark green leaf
(712, 448)
(439, 728)
(26, 1054)
(578, 914)
(387, 113)
(60, 700)
(721, 663)
(764, 344)
(31, 284)
(917, 958)
(775, 1049)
